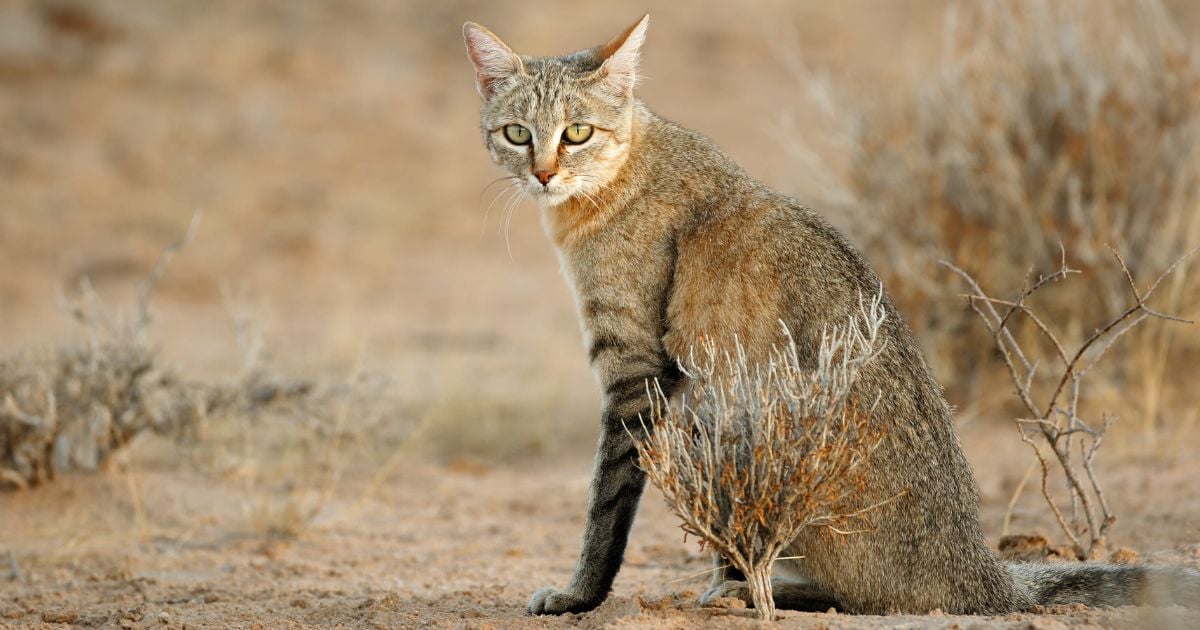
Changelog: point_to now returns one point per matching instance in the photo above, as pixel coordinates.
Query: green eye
(517, 134)
(577, 133)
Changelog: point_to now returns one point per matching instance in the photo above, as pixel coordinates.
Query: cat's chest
(618, 262)
(619, 283)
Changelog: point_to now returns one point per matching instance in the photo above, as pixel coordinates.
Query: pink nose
(544, 176)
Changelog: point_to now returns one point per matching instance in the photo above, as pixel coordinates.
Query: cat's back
(747, 257)
(675, 164)
(722, 202)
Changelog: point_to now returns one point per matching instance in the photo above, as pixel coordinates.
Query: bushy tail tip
(1095, 584)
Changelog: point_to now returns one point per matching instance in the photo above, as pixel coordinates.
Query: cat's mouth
(553, 193)
(548, 197)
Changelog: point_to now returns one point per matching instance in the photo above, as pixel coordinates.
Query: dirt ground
(455, 545)
(334, 149)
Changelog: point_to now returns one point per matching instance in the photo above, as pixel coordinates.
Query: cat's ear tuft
(494, 62)
(620, 67)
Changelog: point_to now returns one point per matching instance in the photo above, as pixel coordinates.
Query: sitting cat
(666, 241)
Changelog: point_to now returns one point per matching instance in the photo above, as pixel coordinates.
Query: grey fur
(1107, 584)
(664, 240)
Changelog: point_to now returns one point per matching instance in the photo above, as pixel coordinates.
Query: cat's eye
(577, 133)
(517, 134)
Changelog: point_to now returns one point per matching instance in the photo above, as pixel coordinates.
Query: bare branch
(1056, 420)
(1096, 337)
(146, 288)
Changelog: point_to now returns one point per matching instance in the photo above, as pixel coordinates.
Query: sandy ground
(335, 149)
(464, 544)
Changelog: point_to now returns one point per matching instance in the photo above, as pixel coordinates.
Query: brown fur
(666, 241)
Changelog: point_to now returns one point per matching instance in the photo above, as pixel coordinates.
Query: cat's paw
(734, 589)
(551, 601)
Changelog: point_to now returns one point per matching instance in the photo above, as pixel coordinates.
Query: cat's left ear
(494, 62)
(620, 68)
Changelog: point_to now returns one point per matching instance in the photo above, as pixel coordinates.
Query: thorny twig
(147, 286)
(1057, 419)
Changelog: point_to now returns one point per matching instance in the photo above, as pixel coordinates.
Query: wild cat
(665, 241)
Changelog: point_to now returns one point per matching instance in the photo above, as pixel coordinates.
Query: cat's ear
(620, 56)
(493, 61)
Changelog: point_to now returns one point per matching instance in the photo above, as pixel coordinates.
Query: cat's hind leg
(789, 593)
(722, 573)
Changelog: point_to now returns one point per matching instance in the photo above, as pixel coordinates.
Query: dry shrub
(755, 453)
(73, 407)
(289, 442)
(1052, 417)
(1045, 122)
(70, 409)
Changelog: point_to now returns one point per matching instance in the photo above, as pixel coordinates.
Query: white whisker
(510, 210)
(510, 188)
(494, 182)
(591, 181)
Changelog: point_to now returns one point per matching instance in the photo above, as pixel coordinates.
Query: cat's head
(560, 125)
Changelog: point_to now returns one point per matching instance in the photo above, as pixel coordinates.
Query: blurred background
(334, 150)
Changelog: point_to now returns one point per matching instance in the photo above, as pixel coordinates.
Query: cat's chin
(549, 199)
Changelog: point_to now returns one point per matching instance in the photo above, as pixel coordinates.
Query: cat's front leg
(617, 485)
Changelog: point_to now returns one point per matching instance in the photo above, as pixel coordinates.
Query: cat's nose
(544, 176)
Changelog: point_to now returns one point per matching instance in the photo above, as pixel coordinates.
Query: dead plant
(1054, 419)
(1043, 121)
(72, 407)
(754, 453)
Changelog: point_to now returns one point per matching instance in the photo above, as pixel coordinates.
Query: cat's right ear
(494, 62)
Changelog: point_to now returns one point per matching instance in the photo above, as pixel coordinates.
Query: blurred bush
(1045, 123)
(73, 407)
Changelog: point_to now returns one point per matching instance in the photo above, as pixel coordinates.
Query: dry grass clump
(288, 443)
(70, 409)
(755, 453)
(73, 407)
(1045, 122)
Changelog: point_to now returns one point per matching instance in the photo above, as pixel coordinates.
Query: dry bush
(1054, 418)
(755, 453)
(75, 406)
(1044, 122)
(72, 408)
(288, 440)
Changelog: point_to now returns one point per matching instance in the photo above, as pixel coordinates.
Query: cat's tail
(1095, 584)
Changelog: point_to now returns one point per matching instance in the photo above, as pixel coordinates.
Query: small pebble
(60, 616)
(1125, 555)
(725, 602)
